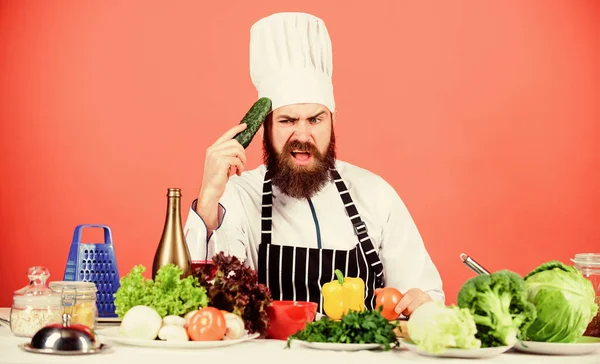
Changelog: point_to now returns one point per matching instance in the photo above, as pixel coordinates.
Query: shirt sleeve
(406, 262)
(229, 236)
(196, 233)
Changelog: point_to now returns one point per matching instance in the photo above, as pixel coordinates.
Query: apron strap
(360, 228)
(266, 219)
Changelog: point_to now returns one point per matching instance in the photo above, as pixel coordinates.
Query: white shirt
(391, 228)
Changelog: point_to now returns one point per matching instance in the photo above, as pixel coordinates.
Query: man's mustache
(301, 146)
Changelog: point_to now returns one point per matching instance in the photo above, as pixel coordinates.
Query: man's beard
(294, 180)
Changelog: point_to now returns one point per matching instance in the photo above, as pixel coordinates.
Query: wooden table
(255, 351)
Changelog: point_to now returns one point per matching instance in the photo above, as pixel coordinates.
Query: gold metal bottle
(172, 248)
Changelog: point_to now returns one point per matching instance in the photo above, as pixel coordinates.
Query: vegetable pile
(498, 303)
(168, 294)
(235, 288)
(552, 303)
(205, 324)
(364, 327)
(171, 308)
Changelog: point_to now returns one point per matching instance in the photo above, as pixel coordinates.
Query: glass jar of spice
(589, 265)
(35, 305)
(79, 300)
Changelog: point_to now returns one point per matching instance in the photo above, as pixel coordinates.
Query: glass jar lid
(36, 294)
(73, 287)
(587, 260)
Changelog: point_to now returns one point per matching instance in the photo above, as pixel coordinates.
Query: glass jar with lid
(35, 305)
(589, 265)
(79, 300)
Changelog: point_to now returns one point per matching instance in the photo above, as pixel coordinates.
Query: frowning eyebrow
(287, 117)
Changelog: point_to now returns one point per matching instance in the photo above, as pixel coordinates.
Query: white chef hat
(291, 60)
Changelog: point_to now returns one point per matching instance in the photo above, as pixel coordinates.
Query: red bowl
(288, 317)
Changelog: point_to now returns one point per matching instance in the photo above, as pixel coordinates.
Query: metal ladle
(475, 267)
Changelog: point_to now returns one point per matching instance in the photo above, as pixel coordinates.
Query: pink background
(483, 115)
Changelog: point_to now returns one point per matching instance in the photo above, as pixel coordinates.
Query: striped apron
(298, 273)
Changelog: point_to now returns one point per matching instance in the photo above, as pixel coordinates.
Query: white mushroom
(173, 333)
(235, 326)
(174, 320)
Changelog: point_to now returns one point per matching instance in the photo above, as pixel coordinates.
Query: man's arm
(224, 158)
(226, 236)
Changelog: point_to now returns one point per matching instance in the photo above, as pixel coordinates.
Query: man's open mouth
(301, 156)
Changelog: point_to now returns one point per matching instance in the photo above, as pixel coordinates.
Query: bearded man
(303, 213)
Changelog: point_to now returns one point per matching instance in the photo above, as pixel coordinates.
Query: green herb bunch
(366, 327)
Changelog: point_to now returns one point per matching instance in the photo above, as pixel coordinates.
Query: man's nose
(302, 132)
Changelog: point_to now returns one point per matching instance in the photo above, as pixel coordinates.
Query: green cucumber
(254, 119)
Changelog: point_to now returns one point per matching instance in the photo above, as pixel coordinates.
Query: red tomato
(388, 297)
(208, 324)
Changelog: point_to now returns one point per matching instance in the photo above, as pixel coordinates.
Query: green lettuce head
(564, 300)
(434, 328)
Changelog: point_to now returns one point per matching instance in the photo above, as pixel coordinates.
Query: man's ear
(334, 116)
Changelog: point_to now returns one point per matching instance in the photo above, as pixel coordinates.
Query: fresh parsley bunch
(366, 327)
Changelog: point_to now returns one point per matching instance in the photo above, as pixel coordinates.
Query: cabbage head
(564, 301)
(434, 327)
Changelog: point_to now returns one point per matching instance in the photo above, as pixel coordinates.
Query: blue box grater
(95, 263)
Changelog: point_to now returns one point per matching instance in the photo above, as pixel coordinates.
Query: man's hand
(412, 299)
(224, 158)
